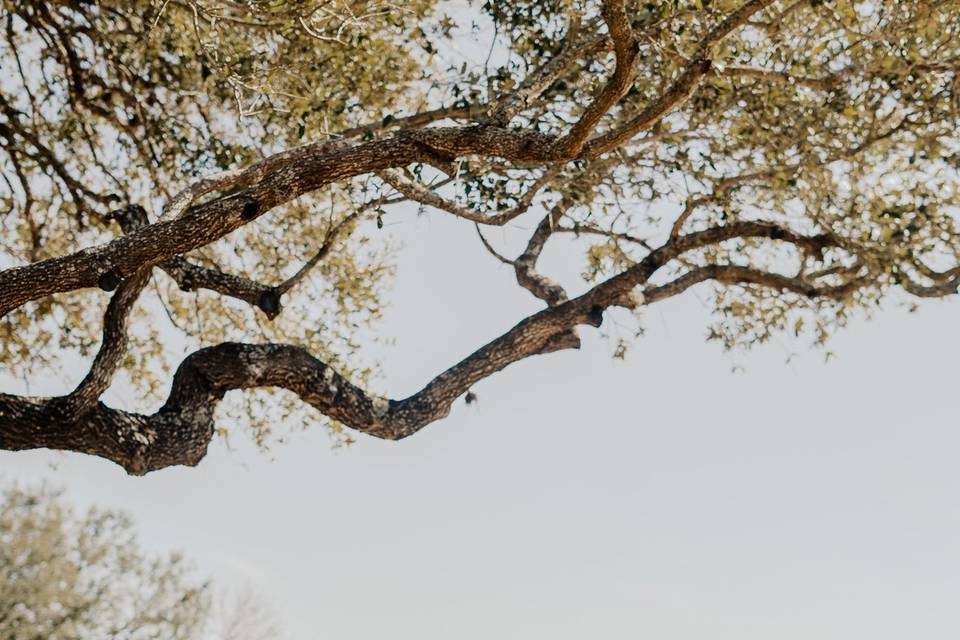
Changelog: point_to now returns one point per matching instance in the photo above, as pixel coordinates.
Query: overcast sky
(661, 497)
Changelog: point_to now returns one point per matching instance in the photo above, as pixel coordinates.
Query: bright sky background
(662, 497)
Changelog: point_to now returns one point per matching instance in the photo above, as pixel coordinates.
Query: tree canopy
(223, 170)
(67, 576)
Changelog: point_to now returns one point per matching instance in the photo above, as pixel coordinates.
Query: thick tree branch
(180, 431)
(272, 182)
(190, 276)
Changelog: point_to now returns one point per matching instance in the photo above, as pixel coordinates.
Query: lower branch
(525, 265)
(179, 433)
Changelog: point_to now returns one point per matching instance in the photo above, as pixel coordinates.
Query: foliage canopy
(65, 576)
(800, 155)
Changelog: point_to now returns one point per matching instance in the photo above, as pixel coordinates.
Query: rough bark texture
(213, 207)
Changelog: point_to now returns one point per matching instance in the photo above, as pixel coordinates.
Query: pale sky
(662, 497)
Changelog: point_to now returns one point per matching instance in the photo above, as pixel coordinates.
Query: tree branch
(190, 276)
(413, 190)
(180, 431)
(525, 265)
(625, 48)
(333, 235)
(682, 88)
(508, 107)
(273, 181)
(737, 275)
(113, 347)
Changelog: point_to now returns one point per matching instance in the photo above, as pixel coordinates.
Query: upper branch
(625, 48)
(274, 181)
(506, 108)
(682, 88)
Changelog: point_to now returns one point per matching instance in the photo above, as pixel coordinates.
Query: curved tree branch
(113, 346)
(181, 430)
(525, 265)
(625, 48)
(737, 275)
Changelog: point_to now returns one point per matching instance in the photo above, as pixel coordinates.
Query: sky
(666, 496)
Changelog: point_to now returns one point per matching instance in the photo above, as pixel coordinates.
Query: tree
(212, 159)
(242, 614)
(66, 576)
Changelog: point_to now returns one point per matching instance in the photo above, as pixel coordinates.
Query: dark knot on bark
(250, 210)
(269, 303)
(595, 316)
(108, 280)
